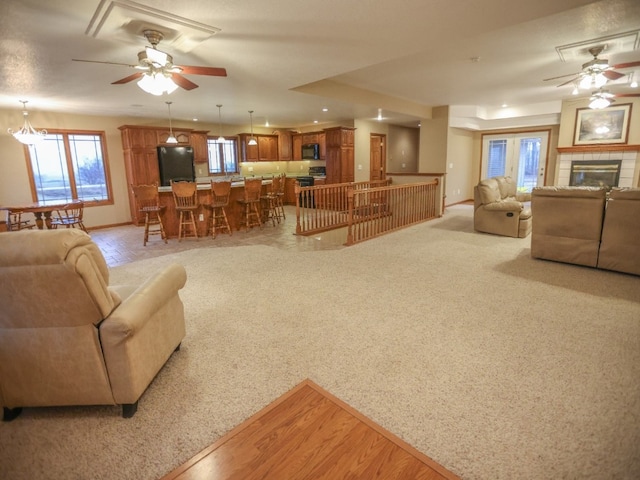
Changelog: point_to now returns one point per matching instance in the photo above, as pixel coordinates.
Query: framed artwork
(608, 125)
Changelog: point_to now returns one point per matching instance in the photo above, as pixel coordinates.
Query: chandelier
(27, 134)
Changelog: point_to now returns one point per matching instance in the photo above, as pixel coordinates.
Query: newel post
(350, 215)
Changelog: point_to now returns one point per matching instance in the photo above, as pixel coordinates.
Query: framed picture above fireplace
(608, 125)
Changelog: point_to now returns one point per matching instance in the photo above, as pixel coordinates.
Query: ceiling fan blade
(212, 71)
(573, 80)
(183, 81)
(627, 94)
(561, 76)
(128, 79)
(107, 63)
(627, 65)
(611, 75)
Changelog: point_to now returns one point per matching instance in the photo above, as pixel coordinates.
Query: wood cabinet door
(333, 165)
(267, 148)
(309, 138)
(290, 191)
(322, 141)
(296, 147)
(200, 147)
(284, 146)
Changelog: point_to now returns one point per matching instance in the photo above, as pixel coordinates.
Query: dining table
(42, 210)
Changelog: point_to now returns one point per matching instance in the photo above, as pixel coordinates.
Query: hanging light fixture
(27, 134)
(171, 138)
(220, 138)
(252, 139)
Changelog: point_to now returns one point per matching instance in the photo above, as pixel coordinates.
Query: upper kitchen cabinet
(265, 151)
(200, 147)
(284, 145)
(296, 146)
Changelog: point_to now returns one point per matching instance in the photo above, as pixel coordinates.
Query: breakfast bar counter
(234, 210)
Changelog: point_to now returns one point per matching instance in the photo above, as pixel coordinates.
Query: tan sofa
(620, 242)
(67, 337)
(567, 223)
(499, 208)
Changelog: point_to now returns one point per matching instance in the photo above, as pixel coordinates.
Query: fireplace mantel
(599, 148)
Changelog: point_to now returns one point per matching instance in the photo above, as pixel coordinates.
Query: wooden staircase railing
(367, 209)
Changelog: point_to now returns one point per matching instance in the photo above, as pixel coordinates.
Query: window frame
(223, 173)
(69, 162)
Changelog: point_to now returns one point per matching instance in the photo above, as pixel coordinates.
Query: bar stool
(220, 193)
(270, 202)
(185, 198)
(148, 203)
(251, 202)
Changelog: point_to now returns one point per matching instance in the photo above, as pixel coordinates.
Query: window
(223, 156)
(70, 165)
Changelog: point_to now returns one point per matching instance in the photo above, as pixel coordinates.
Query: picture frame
(602, 126)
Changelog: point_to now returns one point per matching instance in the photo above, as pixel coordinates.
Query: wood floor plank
(309, 434)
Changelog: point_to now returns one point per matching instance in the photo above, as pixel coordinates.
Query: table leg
(39, 222)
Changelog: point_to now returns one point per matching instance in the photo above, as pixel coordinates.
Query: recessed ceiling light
(325, 109)
(195, 119)
(504, 105)
(315, 121)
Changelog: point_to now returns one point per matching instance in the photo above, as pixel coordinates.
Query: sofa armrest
(504, 206)
(523, 196)
(142, 333)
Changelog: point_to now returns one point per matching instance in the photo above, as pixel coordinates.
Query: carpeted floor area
(495, 365)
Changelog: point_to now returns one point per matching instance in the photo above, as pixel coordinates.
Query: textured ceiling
(287, 59)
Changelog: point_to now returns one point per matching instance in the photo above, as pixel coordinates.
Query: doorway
(378, 157)
(521, 156)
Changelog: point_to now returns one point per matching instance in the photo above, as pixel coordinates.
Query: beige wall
(460, 178)
(403, 149)
(433, 142)
(362, 146)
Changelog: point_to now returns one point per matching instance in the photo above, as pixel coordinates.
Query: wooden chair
(69, 216)
(251, 202)
(270, 208)
(15, 221)
(220, 193)
(185, 196)
(280, 196)
(148, 203)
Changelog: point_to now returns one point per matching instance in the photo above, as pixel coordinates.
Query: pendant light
(252, 139)
(220, 138)
(171, 138)
(27, 134)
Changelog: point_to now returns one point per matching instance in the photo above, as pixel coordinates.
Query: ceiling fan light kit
(27, 134)
(157, 83)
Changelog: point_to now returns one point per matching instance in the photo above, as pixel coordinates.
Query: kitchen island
(235, 210)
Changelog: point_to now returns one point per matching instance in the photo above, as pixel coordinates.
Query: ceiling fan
(602, 98)
(596, 72)
(157, 73)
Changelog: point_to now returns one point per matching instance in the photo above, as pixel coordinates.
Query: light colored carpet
(495, 365)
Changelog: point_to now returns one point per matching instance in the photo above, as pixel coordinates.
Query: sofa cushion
(489, 191)
(507, 186)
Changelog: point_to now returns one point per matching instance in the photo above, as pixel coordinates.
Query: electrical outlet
(201, 217)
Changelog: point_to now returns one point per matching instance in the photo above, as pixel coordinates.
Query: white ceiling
(287, 59)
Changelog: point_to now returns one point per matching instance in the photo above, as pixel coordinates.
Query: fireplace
(595, 173)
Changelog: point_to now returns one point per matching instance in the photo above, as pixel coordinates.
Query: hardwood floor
(309, 434)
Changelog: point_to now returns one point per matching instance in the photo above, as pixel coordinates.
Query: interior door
(377, 157)
(521, 156)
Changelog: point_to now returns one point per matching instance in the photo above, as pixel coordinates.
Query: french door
(520, 156)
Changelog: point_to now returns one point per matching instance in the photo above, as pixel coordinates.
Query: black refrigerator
(176, 163)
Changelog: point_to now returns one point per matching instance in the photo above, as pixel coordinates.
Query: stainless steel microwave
(311, 151)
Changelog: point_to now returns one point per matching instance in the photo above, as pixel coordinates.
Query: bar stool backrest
(220, 192)
(252, 189)
(184, 194)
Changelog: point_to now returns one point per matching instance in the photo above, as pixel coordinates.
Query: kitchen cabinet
(340, 154)
(284, 145)
(265, 151)
(200, 147)
(296, 146)
(309, 138)
(322, 141)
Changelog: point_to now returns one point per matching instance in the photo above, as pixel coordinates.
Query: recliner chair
(499, 208)
(67, 337)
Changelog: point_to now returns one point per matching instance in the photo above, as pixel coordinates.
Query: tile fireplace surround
(629, 158)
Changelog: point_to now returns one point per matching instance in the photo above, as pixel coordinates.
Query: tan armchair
(67, 337)
(567, 223)
(620, 243)
(499, 208)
